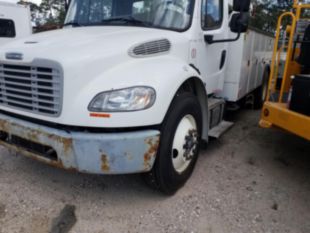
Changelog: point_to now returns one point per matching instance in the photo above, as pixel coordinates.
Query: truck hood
(87, 44)
(90, 60)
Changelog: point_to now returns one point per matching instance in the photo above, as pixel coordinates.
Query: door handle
(223, 59)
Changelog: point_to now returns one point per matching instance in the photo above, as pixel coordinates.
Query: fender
(163, 73)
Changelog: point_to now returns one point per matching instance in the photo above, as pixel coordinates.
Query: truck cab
(125, 87)
(15, 22)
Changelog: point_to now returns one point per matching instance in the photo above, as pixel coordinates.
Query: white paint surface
(95, 59)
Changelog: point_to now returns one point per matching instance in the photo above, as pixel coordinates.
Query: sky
(14, 1)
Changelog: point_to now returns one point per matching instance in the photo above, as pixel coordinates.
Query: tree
(285, 3)
(50, 12)
(34, 9)
(265, 13)
(53, 11)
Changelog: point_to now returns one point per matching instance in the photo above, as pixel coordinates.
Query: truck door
(212, 57)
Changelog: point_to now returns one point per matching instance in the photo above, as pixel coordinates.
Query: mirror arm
(209, 39)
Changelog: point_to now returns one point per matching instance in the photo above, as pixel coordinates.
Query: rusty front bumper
(99, 153)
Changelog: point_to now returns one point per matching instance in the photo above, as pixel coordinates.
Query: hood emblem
(14, 56)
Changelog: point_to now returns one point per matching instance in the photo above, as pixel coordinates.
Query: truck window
(138, 7)
(94, 10)
(167, 14)
(211, 14)
(7, 28)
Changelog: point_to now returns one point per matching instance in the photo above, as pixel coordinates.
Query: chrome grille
(31, 88)
(151, 48)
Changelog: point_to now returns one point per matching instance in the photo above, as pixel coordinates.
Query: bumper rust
(98, 153)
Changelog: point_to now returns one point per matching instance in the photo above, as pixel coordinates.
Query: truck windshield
(167, 14)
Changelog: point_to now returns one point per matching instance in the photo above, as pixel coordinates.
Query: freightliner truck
(131, 86)
(15, 22)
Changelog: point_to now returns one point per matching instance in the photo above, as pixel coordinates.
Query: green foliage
(265, 13)
(49, 12)
(34, 9)
(53, 11)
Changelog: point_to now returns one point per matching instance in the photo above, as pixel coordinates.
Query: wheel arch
(197, 87)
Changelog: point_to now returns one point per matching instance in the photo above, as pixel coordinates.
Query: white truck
(130, 86)
(15, 22)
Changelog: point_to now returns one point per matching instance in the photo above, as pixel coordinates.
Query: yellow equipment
(276, 109)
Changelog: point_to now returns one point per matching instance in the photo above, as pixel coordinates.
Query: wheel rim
(184, 143)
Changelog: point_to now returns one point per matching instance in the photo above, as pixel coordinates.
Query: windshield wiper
(128, 20)
(73, 24)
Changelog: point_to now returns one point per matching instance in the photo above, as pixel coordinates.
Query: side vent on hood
(150, 48)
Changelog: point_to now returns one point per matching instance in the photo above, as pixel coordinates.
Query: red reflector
(104, 115)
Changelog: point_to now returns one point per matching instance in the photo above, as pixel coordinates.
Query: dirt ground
(250, 180)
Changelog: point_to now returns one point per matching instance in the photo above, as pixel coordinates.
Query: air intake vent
(150, 48)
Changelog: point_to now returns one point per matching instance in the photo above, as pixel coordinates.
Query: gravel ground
(250, 180)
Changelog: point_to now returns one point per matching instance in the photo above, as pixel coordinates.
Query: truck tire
(260, 93)
(179, 145)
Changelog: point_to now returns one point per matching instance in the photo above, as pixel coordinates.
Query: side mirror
(241, 5)
(239, 22)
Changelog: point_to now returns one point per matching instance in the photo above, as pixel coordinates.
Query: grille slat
(30, 85)
(33, 98)
(28, 79)
(27, 92)
(24, 103)
(31, 88)
(34, 71)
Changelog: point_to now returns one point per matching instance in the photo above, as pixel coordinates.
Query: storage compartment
(300, 99)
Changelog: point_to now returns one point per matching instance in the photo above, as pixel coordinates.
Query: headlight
(129, 99)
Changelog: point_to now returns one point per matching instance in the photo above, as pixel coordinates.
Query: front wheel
(179, 145)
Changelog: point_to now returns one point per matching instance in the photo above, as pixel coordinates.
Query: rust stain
(33, 135)
(105, 163)
(39, 137)
(67, 145)
(71, 169)
(31, 155)
(151, 152)
(58, 164)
